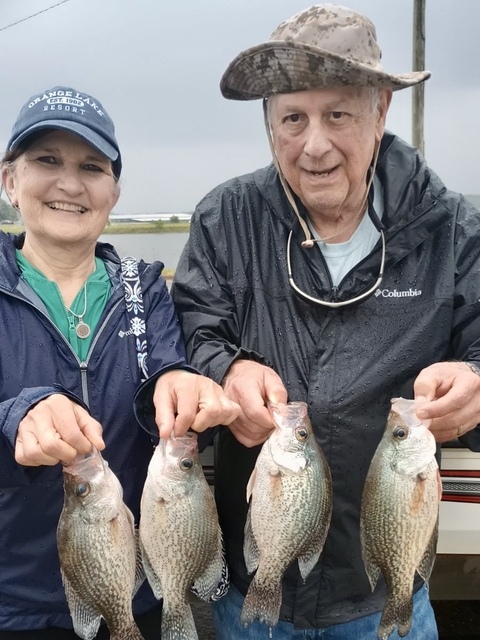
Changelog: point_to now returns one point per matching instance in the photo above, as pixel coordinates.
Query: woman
(70, 354)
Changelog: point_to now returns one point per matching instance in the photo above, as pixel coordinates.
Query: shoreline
(123, 227)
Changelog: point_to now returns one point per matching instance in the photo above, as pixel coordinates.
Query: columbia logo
(122, 334)
(394, 293)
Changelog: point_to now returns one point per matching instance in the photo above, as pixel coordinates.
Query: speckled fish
(399, 515)
(180, 536)
(98, 550)
(290, 494)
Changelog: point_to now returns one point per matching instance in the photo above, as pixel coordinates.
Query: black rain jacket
(234, 301)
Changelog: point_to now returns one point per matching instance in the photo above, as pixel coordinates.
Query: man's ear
(384, 100)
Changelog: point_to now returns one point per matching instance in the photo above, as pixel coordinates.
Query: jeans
(226, 616)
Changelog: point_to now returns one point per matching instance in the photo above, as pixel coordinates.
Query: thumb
(91, 428)
(165, 417)
(425, 386)
(274, 389)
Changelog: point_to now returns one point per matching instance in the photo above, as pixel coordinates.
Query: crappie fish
(399, 514)
(290, 493)
(180, 537)
(98, 549)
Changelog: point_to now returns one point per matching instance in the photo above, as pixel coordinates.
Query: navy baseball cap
(70, 110)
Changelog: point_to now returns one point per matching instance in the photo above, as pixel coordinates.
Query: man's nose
(317, 139)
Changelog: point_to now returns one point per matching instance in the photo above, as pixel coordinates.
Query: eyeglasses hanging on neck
(335, 305)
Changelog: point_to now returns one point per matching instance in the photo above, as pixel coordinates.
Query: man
(343, 275)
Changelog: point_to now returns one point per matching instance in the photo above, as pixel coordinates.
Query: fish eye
(82, 490)
(400, 433)
(301, 434)
(186, 464)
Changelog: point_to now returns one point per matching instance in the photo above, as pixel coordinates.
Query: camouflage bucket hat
(325, 45)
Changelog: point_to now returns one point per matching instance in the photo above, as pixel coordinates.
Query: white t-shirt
(341, 257)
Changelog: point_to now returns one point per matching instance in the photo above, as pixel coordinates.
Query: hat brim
(90, 136)
(287, 66)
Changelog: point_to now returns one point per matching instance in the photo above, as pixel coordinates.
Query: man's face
(324, 140)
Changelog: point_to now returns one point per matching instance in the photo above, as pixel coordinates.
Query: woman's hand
(56, 430)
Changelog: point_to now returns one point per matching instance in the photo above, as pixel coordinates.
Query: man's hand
(56, 430)
(452, 391)
(185, 400)
(252, 386)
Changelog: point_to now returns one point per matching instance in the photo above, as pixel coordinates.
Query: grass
(124, 227)
(128, 227)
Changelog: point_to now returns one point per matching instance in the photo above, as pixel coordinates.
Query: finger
(90, 428)
(187, 407)
(259, 417)
(424, 387)
(49, 451)
(221, 412)
(274, 388)
(248, 438)
(451, 403)
(164, 405)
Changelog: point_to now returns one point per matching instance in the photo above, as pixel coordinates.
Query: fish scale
(98, 550)
(399, 514)
(289, 513)
(179, 534)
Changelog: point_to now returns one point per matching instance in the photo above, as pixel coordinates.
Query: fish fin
(250, 484)
(426, 563)
(178, 623)
(132, 633)
(250, 547)
(262, 603)
(139, 568)
(396, 613)
(307, 561)
(371, 567)
(206, 583)
(85, 620)
(153, 579)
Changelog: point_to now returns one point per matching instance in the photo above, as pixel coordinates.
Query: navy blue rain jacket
(37, 361)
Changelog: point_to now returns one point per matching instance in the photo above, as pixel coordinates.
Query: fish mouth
(58, 205)
(86, 466)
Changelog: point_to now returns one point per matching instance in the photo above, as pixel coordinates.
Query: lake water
(166, 247)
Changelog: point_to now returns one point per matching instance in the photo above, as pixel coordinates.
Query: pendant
(82, 329)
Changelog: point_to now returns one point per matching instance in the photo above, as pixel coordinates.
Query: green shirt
(97, 292)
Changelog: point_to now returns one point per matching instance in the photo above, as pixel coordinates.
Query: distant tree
(174, 218)
(7, 212)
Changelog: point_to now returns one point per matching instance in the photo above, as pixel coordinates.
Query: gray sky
(156, 66)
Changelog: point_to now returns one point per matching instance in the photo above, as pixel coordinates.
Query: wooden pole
(418, 95)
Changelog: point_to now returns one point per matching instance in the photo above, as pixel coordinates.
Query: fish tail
(405, 611)
(132, 633)
(178, 623)
(262, 603)
(396, 613)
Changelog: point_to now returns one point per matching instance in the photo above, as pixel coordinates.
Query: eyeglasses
(335, 305)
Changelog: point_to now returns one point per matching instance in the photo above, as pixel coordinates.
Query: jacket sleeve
(466, 320)
(202, 289)
(13, 410)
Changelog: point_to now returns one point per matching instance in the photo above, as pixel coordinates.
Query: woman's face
(64, 188)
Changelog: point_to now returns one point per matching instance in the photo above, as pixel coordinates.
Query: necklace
(82, 329)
